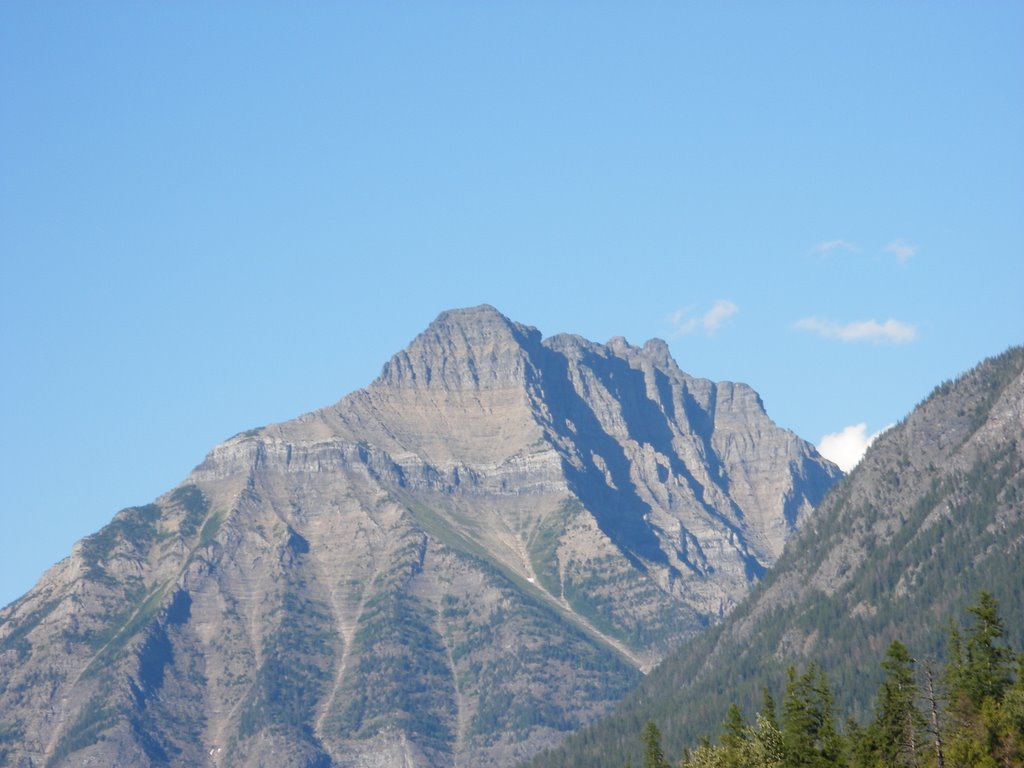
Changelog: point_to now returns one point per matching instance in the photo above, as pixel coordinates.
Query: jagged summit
(480, 348)
(458, 564)
(477, 320)
(475, 348)
(932, 515)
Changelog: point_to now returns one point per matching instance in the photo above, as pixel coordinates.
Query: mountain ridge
(457, 564)
(932, 515)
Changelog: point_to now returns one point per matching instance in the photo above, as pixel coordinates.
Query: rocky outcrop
(932, 515)
(456, 566)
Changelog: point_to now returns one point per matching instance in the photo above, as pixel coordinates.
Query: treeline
(966, 711)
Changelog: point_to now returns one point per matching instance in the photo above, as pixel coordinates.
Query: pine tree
(798, 721)
(833, 748)
(654, 757)
(973, 719)
(768, 707)
(898, 723)
(988, 661)
(862, 745)
(1010, 722)
(734, 730)
(809, 735)
(979, 678)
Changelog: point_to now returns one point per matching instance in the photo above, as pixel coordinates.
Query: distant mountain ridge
(932, 515)
(454, 566)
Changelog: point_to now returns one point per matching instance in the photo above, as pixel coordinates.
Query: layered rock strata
(456, 566)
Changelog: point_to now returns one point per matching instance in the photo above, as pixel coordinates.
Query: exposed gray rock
(932, 515)
(455, 566)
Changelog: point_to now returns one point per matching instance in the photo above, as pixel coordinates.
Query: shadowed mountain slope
(932, 515)
(456, 566)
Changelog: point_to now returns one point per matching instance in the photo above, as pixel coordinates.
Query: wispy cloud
(683, 323)
(902, 250)
(834, 245)
(891, 331)
(846, 447)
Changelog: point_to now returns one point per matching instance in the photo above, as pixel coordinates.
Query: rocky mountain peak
(472, 348)
(657, 351)
(478, 552)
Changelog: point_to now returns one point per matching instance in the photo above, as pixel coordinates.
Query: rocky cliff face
(932, 515)
(455, 566)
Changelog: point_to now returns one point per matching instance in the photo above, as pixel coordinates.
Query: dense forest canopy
(966, 711)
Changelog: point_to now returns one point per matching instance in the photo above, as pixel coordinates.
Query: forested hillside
(966, 711)
(933, 515)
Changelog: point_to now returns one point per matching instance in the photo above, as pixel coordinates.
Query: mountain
(932, 515)
(456, 566)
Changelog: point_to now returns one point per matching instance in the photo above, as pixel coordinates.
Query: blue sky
(214, 216)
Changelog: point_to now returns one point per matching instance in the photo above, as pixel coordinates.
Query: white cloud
(847, 446)
(719, 313)
(902, 250)
(709, 322)
(891, 331)
(834, 245)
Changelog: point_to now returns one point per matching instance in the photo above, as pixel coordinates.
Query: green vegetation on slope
(966, 713)
(931, 517)
(294, 671)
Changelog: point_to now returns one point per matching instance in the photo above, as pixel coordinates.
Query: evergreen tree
(734, 730)
(1010, 722)
(988, 661)
(809, 736)
(757, 747)
(862, 745)
(768, 707)
(980, 728)
(799, 720)
(833, 746)
(898, 723)
(978, 722)
(654, 757)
